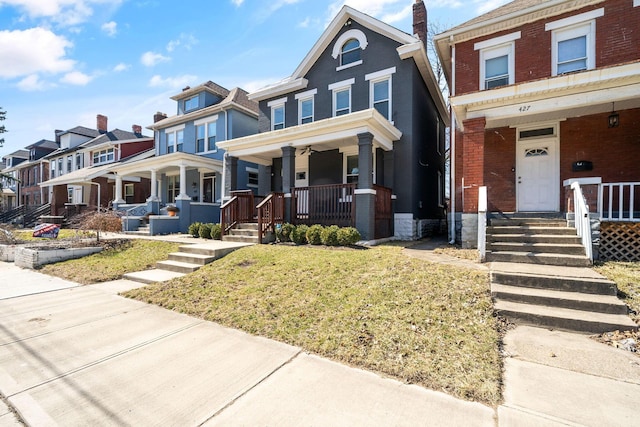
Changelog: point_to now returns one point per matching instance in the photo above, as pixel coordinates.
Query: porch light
(614, 118)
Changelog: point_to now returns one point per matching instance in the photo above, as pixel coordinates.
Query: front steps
(246, 233)
(539, 276)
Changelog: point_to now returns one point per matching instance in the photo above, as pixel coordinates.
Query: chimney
(420, 20)
(101, 123)
(137, 129)
(159, 116)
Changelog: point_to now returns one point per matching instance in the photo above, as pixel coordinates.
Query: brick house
(545, 94)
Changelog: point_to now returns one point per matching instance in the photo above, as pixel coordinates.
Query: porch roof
(166, 163)
(79, 176)
(556, 98)
(326, 134)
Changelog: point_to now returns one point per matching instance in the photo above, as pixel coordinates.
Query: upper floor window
(175, 139)
(206, 130)
(380, 91)
(69, 163)
(212, 129)
(341, 97)
(171, 142)
(191, 103)
(78, 161)
(200, 136)
(306, 106)
(103, 156)
(348, 48)
(497, 61)
(53, 168)
(60, 171)
(277, 113)
(573, 42)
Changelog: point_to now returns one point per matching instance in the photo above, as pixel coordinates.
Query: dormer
(199, 97)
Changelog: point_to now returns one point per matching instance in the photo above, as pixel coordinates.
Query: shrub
(348, 236)
(205, 231)
(101, 221)
(313, 234)
(216, 231)
(299, 235)
(284, 233)
(194, 229)
(330, 235)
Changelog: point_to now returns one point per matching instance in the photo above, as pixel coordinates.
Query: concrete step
(564, 318)
(191, 258)
(178, 266)
(530, 222)
(550, 248)
(535, 238)
(538, 258)
(243, 239)
(246, 226)
(242, 232)
(583, 285)
(552, 298)
(565, 231)
(137, 233)
(152, 276)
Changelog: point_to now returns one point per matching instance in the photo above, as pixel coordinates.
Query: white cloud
(485, 6)
(62, 12)
(237, 3)
(264, 13)
(184, 40)
(45, 53)
(150, 59)
(121, 67)
(389, 11)
(305, 23)
(110, 28)
(76, 78)
(172, 82)
(31, 83)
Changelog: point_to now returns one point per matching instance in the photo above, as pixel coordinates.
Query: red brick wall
(473, 161)
(617, 41)
(499, 169)
(134, 148)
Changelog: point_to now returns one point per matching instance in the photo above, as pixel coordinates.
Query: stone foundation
(469, 234)
(34, 258)
(407, 228)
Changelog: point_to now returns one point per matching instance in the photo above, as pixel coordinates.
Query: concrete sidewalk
(86, 356)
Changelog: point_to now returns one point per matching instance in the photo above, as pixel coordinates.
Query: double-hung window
(305, 106)
(497, 61)
(277, 113)
(171, 142)
(175, 138)
(69, 163)
(78, 161)
(206, 131)
(173, 188)
(211, 136)
(191, 103)
(341, 93)
(200, 137)
(103, 156)
(380, 91)
(573, 42)
(348, 48)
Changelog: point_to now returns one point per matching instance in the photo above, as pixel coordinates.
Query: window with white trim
(191, 103)
(179, 140)
(103, 156)
(352, 172)
(380, 91)
(573, 42)
(78, 161)
(171, 142)
(252, 177)
(60, 170)
(350, 52)
(341, 95)
(173, 188)
(175, 139)
(69, 163)
(277, 113)
(128, 193)
(348, 48)
(497, 60)
(52, 164)
(206, 133)
(212, 130)
(200, 138)
(306, 106)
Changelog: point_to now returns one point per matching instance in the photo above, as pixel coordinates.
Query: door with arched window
(537, 172)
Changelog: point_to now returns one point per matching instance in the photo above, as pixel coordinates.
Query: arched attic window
(348, 48)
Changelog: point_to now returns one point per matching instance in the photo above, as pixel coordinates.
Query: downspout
(452, 149)
(224, 159)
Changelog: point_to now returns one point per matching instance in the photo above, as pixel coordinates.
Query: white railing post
(583, 222)
(482, 223)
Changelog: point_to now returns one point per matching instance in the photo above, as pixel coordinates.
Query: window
(173, 188)
(209, 188)
(341, 97)
(306, 106)
(179, 140)
(171, 142)
(191, 103)
(352, 170)
(440, 190)
(175, 138)
(78, 161)
(103, 156)
(69, 163)
(206, 130)
(497, 60)
(380, 91)
(200, 137)
(60, 171)
(350, 52)
(53, 168)
(211, 138)
(128, 193)
(348, 49)
(252, 177)
(277, 113)
(573, 42)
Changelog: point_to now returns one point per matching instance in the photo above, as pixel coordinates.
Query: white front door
(538, 175)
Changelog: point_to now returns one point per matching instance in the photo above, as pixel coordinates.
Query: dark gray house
(356, 135)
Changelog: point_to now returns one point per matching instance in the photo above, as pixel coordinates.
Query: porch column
(473, 174)
(118, 200)
(264, 180)
(230, 176)
(183, 184)
(365, 194)
(153, 197)
(288, 178)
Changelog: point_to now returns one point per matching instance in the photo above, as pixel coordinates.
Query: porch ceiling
(167, 163)
(80, 176)
(327, 134)
(556, 98)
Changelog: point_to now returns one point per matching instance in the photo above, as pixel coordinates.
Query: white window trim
(495, 52)
(380, 76)
(275, 104)
(341, 84)
(173, 129)
(350, 34)
(573, 20)
(338, 87)
(636, 3)
(205, 122)
(587, 29)
(304, 96)
(496, 41)
(349, 65)
(353, 151)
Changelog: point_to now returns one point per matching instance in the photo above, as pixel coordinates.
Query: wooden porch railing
(239, 209)
(324, 204)
(270, 212)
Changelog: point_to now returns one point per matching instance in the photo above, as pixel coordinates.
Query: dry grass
(626, 275)
(458, 252)
(112, 263)
(375, 308)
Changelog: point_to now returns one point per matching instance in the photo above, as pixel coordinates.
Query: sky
(62, 62)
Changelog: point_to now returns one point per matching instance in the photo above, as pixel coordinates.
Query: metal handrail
(583, 222)
(131, 209)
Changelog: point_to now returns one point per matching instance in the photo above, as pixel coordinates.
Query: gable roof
(208, 86)
(80, 130)
(43, 143)
(116, 135)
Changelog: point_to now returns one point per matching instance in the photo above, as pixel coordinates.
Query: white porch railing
(583, 222)
(482, 223)
(616, 201)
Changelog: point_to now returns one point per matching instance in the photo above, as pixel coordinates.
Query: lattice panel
(620, 241)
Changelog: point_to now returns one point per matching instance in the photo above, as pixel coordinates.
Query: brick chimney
(420, 20)
(159, 116)
(101, 123)
(136, 129)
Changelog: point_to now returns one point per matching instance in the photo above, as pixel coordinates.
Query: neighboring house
(33, 172)
(10, 178)
(544, 94)
(187, 169)
(356, 135)
(80, 169)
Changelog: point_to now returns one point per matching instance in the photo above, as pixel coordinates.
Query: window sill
(353, 64)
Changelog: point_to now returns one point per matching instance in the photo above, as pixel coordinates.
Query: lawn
(113, 262)
(375, 308)
(627, 277)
